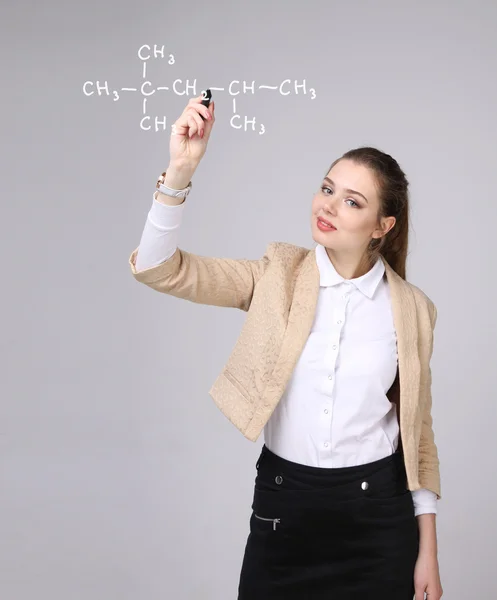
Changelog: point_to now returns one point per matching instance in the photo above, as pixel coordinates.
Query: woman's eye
(327, 188)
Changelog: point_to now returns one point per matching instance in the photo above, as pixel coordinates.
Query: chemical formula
(184, 88)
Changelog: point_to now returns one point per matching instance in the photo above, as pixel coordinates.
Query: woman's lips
(324, 227)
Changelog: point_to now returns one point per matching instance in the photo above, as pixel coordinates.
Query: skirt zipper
(266, 519)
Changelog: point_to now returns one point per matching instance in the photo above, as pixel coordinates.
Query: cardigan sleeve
(429, 464)
(171, 270)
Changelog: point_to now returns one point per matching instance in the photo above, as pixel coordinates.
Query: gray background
(119, 477)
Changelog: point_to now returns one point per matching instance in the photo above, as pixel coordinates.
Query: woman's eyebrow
(347, 190)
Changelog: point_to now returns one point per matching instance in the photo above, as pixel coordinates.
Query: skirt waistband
(286, 480)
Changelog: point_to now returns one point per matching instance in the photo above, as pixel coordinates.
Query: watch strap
(164, 189)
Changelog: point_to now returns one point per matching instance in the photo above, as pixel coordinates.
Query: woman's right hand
(190, 133)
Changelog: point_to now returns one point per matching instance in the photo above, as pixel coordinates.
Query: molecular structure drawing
(180, 87)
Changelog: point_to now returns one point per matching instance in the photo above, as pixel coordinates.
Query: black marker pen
(206, 101)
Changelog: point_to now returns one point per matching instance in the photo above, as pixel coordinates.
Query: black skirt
(342, 533)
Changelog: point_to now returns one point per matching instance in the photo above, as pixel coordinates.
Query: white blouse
(334, 411)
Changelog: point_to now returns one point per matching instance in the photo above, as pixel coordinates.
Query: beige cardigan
(279, 293)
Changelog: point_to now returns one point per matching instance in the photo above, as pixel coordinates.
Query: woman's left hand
(427, 577)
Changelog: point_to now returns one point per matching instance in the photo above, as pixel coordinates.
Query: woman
(333, 363)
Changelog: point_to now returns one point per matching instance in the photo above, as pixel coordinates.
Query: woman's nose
(330, 206)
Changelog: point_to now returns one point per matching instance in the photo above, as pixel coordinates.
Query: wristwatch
(169, 191)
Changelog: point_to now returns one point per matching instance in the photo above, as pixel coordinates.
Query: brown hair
(392, 186)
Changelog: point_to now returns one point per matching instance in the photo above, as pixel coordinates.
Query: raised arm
(206, 280)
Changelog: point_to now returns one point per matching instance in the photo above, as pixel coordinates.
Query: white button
(364, 485)
(339, 322)
(326, 444)
(330, 376)
(334, 347)
(325, 411)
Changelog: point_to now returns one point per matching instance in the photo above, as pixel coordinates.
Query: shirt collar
(367, 283)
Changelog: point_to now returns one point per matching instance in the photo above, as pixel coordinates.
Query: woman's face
(349, 200)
